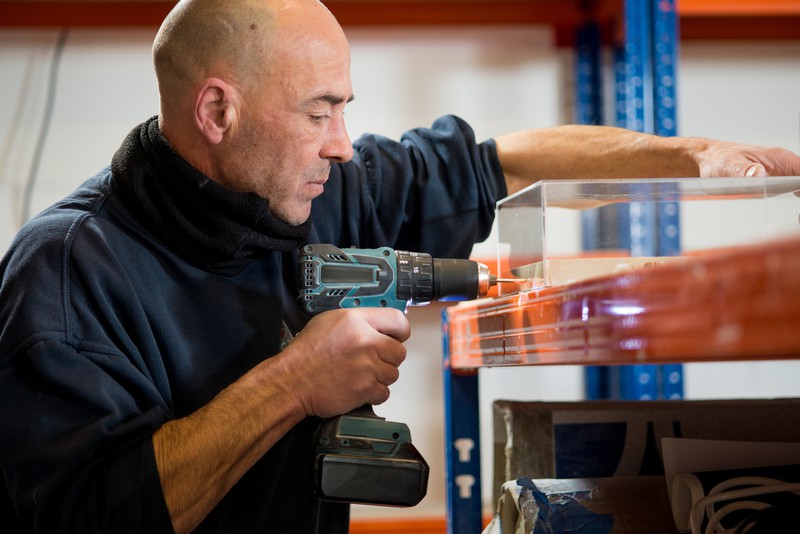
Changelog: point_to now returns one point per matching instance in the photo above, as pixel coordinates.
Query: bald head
(238, 40)
(200, 37)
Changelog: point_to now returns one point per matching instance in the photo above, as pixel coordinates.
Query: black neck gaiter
(212, 227)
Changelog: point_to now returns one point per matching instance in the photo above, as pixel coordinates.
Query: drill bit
(493, 280)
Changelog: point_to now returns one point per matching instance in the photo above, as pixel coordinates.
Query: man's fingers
(388, 375)
(755, 170)
(391, 322)
(729, 159)
(380, 394)
(348, 357)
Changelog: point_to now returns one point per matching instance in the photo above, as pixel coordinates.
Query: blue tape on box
(564, 513)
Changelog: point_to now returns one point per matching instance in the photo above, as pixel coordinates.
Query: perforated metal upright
(462, 446)
(665, 68)
(644, 67)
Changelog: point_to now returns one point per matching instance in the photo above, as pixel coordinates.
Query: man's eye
(318, 118)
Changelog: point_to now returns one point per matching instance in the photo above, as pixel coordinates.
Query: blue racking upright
(462, 446)
(645, 68)
(645, 64)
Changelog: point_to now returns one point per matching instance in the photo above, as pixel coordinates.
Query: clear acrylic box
(560, 231)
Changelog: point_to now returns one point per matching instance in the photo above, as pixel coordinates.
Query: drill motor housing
(330, 277)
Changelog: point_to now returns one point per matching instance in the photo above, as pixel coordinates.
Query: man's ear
(216, 109)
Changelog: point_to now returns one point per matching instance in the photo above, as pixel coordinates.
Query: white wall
(499, 79)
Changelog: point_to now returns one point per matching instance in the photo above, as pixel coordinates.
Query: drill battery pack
(362, 458)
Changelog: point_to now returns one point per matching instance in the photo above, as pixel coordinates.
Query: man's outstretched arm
(575, 152)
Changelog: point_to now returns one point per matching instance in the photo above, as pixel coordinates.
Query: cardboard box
(597, 439)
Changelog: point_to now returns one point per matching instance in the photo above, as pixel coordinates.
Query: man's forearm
(575, 152)
(200, 457)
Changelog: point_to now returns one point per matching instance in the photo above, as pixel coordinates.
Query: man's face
(292, 129)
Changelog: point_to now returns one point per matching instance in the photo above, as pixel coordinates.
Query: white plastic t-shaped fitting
(465, 483)
(464, 447)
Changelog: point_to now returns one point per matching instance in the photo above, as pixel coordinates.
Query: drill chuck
(460, 279)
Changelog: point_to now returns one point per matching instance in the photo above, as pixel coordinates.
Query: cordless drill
(360, 457)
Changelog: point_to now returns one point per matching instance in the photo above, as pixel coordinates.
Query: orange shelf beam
(398, 526)
(33, 13)
(742, 304)
(739, 19)
(738, 8)
(348, 12)
(699, 19)
(414, 525)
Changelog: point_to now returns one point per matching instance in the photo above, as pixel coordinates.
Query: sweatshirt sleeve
(433, 191)
(78, 414)
(69, 477)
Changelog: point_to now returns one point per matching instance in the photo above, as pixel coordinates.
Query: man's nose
(338, 146)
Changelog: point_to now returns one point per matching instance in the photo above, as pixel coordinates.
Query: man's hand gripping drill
(360, 457)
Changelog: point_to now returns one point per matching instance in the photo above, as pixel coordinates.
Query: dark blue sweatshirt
(140, 296)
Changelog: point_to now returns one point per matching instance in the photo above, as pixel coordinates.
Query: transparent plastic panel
(560, 231)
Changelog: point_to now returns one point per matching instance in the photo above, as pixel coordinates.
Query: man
(141, 372)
